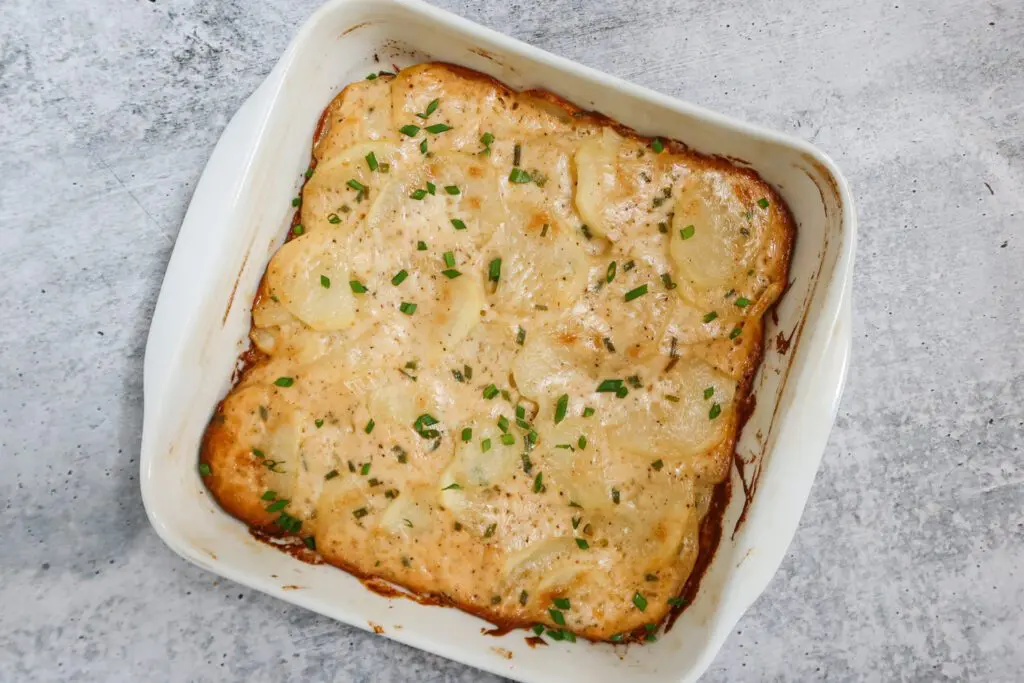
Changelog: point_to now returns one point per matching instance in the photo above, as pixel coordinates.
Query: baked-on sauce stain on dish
(503, 358)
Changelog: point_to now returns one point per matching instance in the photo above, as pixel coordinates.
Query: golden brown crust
(239, 478)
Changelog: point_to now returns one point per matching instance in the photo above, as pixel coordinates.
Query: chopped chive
(452, 189)
(561, 407)
(538, 629)
(628, 266)
(431, 188)
(258, 453)
(666, 279)
(585, 229)
(296, 201)
(409, 130)
(610, 274)
(519, 176)
(657, 465)
(615, 496)
(277, 506)
(310, 542)
(451, 273)
(708, 317)
(640, 601)
(634, 381)
(452, 487)
(325, 282)
(365, 469)
(676, 602)
(557, 617)
(432, 107)
(487, 139)
(449, 259)
(318, 423)
(576, 522)
(490, 391)
(582, 443)
(357, 286)
(663, 227)
(672, 397)
(467, 434)
(687, 232)
(617, 637)
(636, 293)
(385, 168)
(391, 494)
(399, 277)
(520, 411)
(622, 392)
(422, 422)
(298, 229)
(369, 426)
(520, 336)
(357, 186)
(418, 194)
(407, 308)
(485, 445)
(360, 513)
(494, 270)
(438, 128)
(508, 439)
(331, 475)
(527, 463)
(538, 483)
(763, 203)
(523, 597)
(609, 386)
(561, 603)
(503, 423)
(588, 411)
(709, 392)
(421, 246)
(742, 302)
(657, 145)
(715, 411)
(458, 224)
(204, 469)
(423, 147)
(333, 218)
(490, 530)
(582, 543)
(371, 161)
(608, 344)
(517, 154)
(284, 381)
(371, 77)
(735, 332)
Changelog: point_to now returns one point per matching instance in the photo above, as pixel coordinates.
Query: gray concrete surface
(909, 562)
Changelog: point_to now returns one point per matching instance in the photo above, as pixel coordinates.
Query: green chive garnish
(561, 407)
(409, 130)
(284, 381)
(588, 411)
(449, 259)
(494, 270)
(610, 274)
(735, 332)
(687, 232)
(371, 161)
(640, 601)
(636, 293)
(452, 189)
(331, 475)
(369, 426)
(490, 391)
(333, 218)
(709, 392)
(520, 337)
(269, 495)
(763, 203)
(742, 302)
(451, 273)
(451, 487)
(399, 277)
(519, 176)
(325, 282)
(561, 603)
(708, 317)
(277, 506)
(357, 186)
(582, 543)
(438, 128)
(204, 469)
(582, 443)
(458, 224)
(538, 482)
(657, 145)
(360, 513)
(431, 188)
(418, 194)
(609, 386)
(657, 465)
(421, 246)
(467, 434)
(357, 286)
(407, 308)
(715, 411)
(485, 445)
(557, 617)
(508, 439)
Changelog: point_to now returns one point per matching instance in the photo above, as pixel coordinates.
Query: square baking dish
(239, 215)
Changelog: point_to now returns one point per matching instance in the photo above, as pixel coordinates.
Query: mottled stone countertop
(909, 560)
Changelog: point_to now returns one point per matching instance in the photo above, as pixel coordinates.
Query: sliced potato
(333, 198)
(310, 277)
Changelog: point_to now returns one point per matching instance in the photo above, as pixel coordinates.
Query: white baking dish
(239, 215)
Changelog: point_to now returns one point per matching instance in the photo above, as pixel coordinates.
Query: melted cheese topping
(427, 403)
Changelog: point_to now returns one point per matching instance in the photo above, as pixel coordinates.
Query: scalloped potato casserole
(504, 355)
